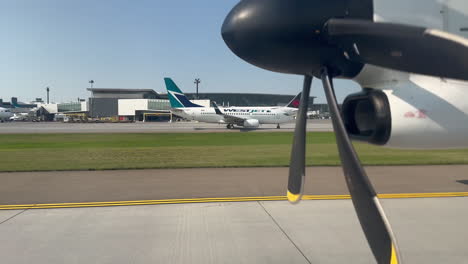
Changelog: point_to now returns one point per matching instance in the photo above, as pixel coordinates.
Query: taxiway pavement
(148, 127)
(129, 185)
(430, 230)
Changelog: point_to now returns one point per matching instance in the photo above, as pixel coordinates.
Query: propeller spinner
(303, 36)
(287, 36)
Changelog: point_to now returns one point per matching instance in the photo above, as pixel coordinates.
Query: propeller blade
(401, 47)
(298, 153)
(369, 211)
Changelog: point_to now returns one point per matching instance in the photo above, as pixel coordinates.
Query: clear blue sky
(126, 44)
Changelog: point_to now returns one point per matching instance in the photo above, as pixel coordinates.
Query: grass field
(38, 152)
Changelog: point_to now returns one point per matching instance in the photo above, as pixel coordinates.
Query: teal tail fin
(176, 97)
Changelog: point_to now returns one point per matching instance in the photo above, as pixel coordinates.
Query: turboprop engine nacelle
(251, 123)
(415, 121)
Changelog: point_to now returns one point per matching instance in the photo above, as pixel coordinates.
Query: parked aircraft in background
(5, 114)
(19, 117)
(248, 117)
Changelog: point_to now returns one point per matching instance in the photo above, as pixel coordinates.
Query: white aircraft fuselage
(5, 114)
(264, 115)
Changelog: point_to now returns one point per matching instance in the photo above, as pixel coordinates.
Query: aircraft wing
(229, 118)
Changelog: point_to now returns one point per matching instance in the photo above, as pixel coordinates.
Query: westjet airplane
(248, 117)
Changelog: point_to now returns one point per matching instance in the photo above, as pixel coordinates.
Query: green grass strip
(44, 152)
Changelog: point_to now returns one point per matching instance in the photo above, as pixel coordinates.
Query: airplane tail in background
(295, 102)
(176, 97)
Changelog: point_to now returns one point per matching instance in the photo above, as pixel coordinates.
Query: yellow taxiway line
(227, 199)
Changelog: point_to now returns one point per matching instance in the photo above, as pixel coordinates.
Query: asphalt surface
(429, 231)
(148, 127)
(130, 185)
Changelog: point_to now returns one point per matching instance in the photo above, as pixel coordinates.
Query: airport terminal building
(111, 104)
(149, 105)
(131, 104)
(246, 99)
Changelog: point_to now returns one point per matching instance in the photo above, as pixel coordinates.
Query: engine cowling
(251, 123)
(367, 116)
(406, 119)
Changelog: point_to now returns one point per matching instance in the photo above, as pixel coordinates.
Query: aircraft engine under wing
(251, 123)
(413, 120)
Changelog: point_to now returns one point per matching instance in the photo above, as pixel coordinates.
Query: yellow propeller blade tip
(394, 258)
(294, 198)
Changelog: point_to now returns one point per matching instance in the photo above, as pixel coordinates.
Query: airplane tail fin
(216, 108)
(176, 97)
(295, 102)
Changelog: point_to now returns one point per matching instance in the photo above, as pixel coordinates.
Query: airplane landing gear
(230, 126)
(278, 126)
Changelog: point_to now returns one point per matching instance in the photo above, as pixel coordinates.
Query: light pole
(91, 82)
(48, 90)
(197, 82)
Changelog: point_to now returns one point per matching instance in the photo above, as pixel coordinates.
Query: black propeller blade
(401, 47)
(298, 153)
(370, 213)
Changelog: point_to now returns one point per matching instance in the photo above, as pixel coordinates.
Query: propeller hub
(286, 36)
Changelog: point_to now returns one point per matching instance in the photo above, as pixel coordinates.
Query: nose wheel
(278, 126)
(230, 126)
